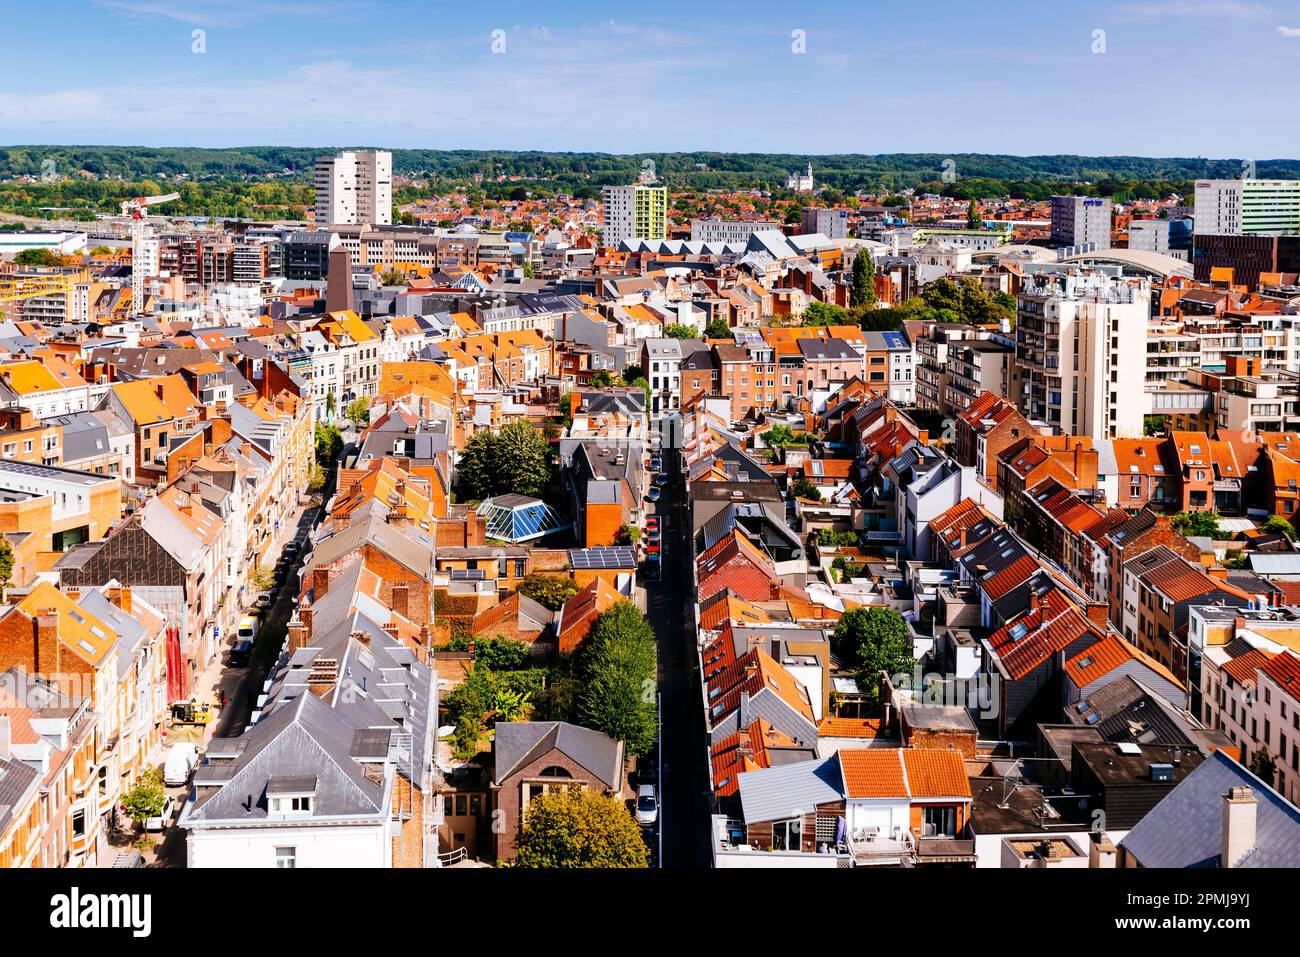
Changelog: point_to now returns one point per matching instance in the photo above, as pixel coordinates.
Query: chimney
(1239, 808)
(1101, 851)
(1098, 613)
(320, 582)
(400, 600)
(119, 596)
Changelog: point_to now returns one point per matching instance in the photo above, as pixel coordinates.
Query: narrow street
(684, 808)
(241, 687)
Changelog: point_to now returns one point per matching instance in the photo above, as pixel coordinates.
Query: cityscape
(420, 505)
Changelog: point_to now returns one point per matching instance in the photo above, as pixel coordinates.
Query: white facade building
(355, 187)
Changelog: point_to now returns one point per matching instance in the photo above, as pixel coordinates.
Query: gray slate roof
(519, 743)
(1186, 828)
(775, 794)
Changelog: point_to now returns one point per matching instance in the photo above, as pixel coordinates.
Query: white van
(247, 628)
(180, 762)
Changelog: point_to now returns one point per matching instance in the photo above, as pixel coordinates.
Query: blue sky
(1177, 77)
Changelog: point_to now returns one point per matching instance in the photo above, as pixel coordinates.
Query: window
(286, 857)
(786, 835)
(939, 822)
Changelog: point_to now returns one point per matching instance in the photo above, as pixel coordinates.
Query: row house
(1165, 590)
(1071, 460)
(161, 411)
(984, 429)
(101, 650)
(1070, 531)
(47, 743)
(172, 552)
(1142, 532)
(1254, 697)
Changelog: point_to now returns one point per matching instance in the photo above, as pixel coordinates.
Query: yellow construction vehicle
(190, 712)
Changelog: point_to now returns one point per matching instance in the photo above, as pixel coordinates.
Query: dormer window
(290, 795)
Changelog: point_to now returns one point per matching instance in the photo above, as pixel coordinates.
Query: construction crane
(137, 209)
(15, 290)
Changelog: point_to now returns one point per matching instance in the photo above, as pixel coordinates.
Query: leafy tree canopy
(579, 828)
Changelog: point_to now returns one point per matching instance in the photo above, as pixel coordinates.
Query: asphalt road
(242, 685)
(683, 808)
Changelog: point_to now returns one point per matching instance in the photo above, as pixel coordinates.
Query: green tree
(863, 291)
(329, 405)
(358, 413)
(871, 640)
(1264, 766)
(601, 379)
(38, 257)
(802, 488)
(6, 566)
(529, 271)
(578, 828)
(146, 798)
(676, 330)
(628, 535)
(1153, 425)
(617, 668)
(549, 591)
(1274, 524)
(1200, 524)
(501, 653)
(329, 443)
(393, 278)
(717, 329)
(516, 458)
(824, 314)
(974, 219)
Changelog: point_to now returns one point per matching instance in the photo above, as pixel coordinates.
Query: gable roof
(519, 743)
(1186, 828)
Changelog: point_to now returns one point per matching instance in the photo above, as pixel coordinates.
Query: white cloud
(1289, 32)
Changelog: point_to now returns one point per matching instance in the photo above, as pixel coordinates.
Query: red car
(652, 522)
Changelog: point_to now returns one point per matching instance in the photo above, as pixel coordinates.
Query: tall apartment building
(634, 212)
(355, 187)
(1081, 341)
(832, 223)
(729, 230)
(1080, 220)
(1151, 235)
(1248, 207)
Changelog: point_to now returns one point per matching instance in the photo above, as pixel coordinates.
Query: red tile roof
(1284, 668)
(903, 773)
(1243, 667)
(1105, 656)
(1049, 626)
(745, 751)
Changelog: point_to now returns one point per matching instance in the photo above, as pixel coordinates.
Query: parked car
(181, 759)
(647, 805)
(652, 495)
(128, 859)
(164, 818)
(652, 522)
(652, 535)
(661, 479)
(656, 464)
(240, 653)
